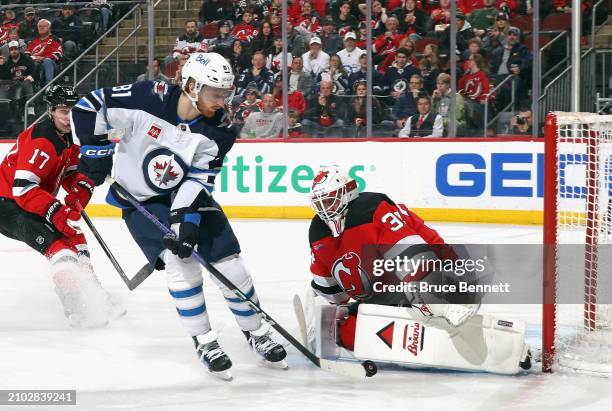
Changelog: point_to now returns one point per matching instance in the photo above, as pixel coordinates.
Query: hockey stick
(351, 369)
(140, 276)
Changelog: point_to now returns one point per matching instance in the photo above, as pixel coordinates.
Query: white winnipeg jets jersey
(157, 151)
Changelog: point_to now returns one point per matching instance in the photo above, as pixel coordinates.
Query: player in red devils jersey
(351, 230)
(43, 160)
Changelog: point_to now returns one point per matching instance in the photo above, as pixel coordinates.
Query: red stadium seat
(210, 30)
(525, 23)
(170, 69)
(421, 43)
(557, 22)
(544, 39)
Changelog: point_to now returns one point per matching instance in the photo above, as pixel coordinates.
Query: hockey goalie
(381, 312)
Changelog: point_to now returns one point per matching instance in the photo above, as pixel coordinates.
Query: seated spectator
(464, 34)
(157, 74)
(474, 47)
(496, 37)
(318, 6)
(336, 74)
(379, 16)
(299, 79)
(315, 60)
(295, 99)
(356, 114)
(362, 73)
(483, 19)
(267, 123)
(295, 41)
(406, 105)
(275, 56)
(241, 59)
(68, 28)
(258, 74)
(215, 10)
(397, 77)
(105, 14)
(522, 123)
(425, 123)
(345, 21)
(246, 30)
(28, 28)
(350, 53)
(412, 20)
(441, 104)
(410, 47)
(264, 38)
(251, 104)
(440, 16)
(275, 20)
(9, 21)
(294, 127)
(331, 41)
(387, 42)
(224, 40)
(309, 20)
(13, 36)
(324, 113)
(16, 77)
(430, 67)
(45, 50)
(186, 43)
(474, 85)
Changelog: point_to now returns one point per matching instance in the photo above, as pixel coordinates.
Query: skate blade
(225, 375)
(278, 365)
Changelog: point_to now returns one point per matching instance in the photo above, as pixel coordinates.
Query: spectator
(425, 124)
(299, 79)
(514, 58)
(345, 20)
(224, 39)
(430, 67)
(275, 56)
(350, 54)
(13, 36)
(397, 77)
(330, 40)
(474, 47)
(28, 28)
(336, 74)
(387, 42)
(215, 10)
(356, 115)
(258, 75)
(45, 50)
(247, 30)
(441, 103)
(412, 20)
(295, 41)
(496, 37)
(277, 27)
(68, 27)
(186, 43)
(309, 20)
(483, 19)
(379, 17)
(177, 76)
(406, 106)
(240, 58)
(251, 104)
(267, 123)
(324, 113)
(315, 60)
(105, 13)
(464, 34)
(319, 6)
(16, 76)
(294, 127)
(440, 16)
(157, 74)
(295, 98)
(361, 74)
(522, 123)
(9, 21)
(405, 43)
(264, 39)
(475, 86)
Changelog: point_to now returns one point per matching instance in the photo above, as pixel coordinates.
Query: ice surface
(145, 361)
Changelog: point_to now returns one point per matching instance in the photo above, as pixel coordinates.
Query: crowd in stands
(327, 63)
(37, 42)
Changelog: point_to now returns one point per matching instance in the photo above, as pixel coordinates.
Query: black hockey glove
(184, 244)
(96, 160)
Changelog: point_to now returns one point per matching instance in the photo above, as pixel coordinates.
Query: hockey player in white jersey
(174, 140)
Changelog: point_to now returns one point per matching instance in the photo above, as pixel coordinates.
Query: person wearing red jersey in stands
(46, 50)
(475, 86)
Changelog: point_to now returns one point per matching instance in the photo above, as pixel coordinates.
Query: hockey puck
(370, 368)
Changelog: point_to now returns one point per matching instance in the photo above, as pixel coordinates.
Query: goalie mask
(332, 191)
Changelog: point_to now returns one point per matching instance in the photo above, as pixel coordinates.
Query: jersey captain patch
(163, 170)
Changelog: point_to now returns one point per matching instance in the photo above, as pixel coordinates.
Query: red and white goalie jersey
(342, 267)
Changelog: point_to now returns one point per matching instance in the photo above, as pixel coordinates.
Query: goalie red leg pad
(346, 332)
(73, 243)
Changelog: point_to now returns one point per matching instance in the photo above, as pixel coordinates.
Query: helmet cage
(333, 204)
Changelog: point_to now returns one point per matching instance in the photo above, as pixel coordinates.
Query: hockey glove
(96, 161)
(81, 192)
(58, 216)
(184, 244)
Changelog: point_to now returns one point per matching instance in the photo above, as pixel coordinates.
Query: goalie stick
(140, 276)
(355, 370)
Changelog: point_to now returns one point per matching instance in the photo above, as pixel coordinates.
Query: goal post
(577, 332)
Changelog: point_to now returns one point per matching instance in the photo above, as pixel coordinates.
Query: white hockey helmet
(213, 77)
(332, 191)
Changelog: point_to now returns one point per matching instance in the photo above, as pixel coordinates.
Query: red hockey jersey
(475, 86)
(342, 267)
(40, 161)
(49, 48)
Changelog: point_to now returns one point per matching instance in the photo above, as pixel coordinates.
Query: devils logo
(352, 278)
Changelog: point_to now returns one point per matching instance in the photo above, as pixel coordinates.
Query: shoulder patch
(160, 88)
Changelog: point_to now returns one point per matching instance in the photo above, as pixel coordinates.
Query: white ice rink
(145, 361)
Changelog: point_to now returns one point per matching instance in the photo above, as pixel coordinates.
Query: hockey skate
(210, 354)
(271, 353)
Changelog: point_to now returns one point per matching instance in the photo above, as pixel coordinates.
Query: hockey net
(577, 315)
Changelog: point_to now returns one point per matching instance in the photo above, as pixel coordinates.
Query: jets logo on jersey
(163, 170)
(352, 278)
(400, 85)
(161, 89)
(155, 131)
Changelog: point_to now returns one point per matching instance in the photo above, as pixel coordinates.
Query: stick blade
(346, 368)
(140, 276)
